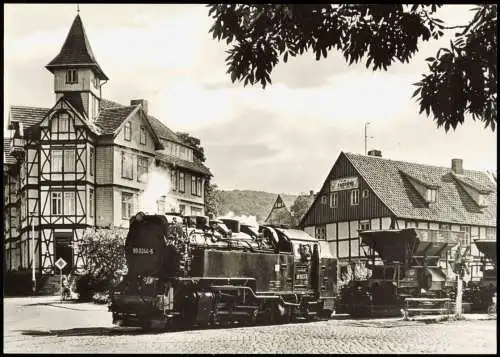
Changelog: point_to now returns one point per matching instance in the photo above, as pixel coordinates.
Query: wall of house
(104, 215)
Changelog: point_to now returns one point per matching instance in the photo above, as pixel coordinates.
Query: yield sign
(61, 263)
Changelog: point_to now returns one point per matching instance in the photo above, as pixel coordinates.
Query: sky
(282, 139)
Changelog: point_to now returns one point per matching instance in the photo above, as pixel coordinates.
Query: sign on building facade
(345, 183)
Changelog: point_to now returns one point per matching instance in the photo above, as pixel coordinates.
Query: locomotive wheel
(325, 313)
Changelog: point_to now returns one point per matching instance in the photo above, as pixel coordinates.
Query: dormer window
(71, 76)
(431, 195)
(481, 200)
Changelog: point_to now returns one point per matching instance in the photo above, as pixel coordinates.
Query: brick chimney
(377, 153)
(142, 102)
(457, 166)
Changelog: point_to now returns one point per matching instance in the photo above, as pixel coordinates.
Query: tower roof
(76, 51)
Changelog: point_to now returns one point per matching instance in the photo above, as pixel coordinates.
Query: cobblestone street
(45, 325)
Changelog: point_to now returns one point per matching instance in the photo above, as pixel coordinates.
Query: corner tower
(77, 75)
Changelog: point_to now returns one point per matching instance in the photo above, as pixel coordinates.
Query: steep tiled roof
(76, 51)
(8, 159)
(162, 130)
(195, 166)
(106, 103)
(29, 116)
(111, 118)
(388, 180)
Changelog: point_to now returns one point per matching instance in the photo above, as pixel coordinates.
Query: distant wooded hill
(251, 203)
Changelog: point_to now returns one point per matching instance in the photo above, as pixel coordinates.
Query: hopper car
(480, 293)
(404, 263)
(186, 271)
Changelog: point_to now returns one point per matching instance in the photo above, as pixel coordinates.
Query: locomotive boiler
(404, 263)
(192, 270)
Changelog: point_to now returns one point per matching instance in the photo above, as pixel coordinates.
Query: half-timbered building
(368, 192)
(280, 214)
(83, 162)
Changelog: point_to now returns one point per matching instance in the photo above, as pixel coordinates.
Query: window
(323, 199)
(364, 226)
(63, 123)
(491, 233)
(431, 195)
(444, 227)
(57, 161)
(193, 186)
(127, 166)
(196, 211)
(96, 82)
(127, 131)
(182, 182)
(91, 203)
(69, 160)
(182, 209)
(198, 184)
(71, 76)
(466, 238)
(143, 136)
(173, 179)
(365, 193)
(320, 232)
(69, 203)
(127, 205)
(56, 203)
(91, 161)
(354, 197)
(142, 169)
(95, 107)
(333, 199)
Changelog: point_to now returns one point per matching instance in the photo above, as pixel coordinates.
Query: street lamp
(33, 276)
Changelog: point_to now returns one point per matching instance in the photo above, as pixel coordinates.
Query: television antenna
(367, 137)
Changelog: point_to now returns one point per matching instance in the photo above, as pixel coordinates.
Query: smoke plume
(250, 220)
(155, 198)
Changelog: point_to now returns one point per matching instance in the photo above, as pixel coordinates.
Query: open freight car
(194, 271)
(404, 263)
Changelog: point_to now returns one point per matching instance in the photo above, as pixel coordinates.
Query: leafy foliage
(104, 252)
(301, 205)
(199, 152)
(378, 35)
(463, 79)
(213, 199)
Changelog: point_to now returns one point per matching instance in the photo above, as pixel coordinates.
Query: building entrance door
(63, 249)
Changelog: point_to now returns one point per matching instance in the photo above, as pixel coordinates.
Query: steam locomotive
(191, 270)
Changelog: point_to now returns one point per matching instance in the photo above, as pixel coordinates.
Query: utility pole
(33, 274)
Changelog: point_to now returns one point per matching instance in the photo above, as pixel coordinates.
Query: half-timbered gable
(280, 214)
(370, 192)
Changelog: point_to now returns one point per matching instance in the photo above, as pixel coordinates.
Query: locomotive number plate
(143, 251)
(301, 276)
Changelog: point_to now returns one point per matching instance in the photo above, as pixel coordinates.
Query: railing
(427, 306)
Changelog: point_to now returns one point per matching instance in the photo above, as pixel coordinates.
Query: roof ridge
(411, 163)
(27, 106)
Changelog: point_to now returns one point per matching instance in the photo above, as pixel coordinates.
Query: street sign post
(61, 263)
